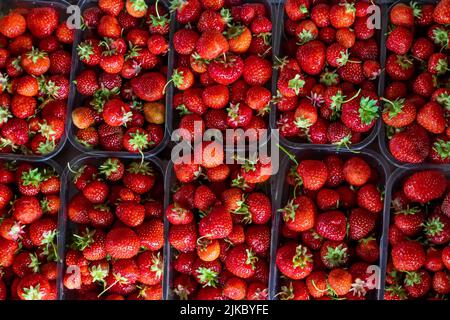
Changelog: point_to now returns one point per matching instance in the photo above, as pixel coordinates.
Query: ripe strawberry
(361, 222)
(96, 191)
(431, 117)
(42, 22)
(441, 12)
(340, 281)
(217, 224)
(313, 173)
(399, 40)
(183, 237)
(312, 57)
(299, 214)
(414, 186)
(122, 243)
(408, 256)
(331, 225)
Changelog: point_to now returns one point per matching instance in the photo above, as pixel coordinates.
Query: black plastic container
(61, 7)
(370, 137)
(283, 193)
(75, 98)
(382, 137)
(173, 122)
(67, 228)
(169, 181)
(394, 183)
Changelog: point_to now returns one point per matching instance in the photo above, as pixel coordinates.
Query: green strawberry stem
(301, 257)
(288, 153)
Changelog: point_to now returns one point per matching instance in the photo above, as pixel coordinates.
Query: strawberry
(150, 234)
(294, 261)
(369, 198)
(240, 261)
(431, 117)
(313, 173)
(409, 221)
(122, 243)
(311, 57)
(356, 171)
(399, 67)
(183, 237)
(342, 15)
(131, 214)
(399, 40)
(217, 224)
(42, 22)
(331, 225)
(437, 228)
(34, 287)
(368, 250)
(340, 281)
(13, 25)
(139, 177)
(96, 191)
(411, 145)
(433, 179)
(361, 222)
(257, 71)
(441, 12)
(299, 214)
(408, 256)
(402, 14)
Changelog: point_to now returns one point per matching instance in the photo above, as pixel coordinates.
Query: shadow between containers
(61, 6)
(175, 26)
(169, 182)
(75, 98)
(393, 182)
(382, 137)
(380, 87)
(65, 227)
(282, 194)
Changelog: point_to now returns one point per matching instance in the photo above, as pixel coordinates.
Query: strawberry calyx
(302, 122)
(329, 78)
(444, 100)
(393, 108)
(316, 99)
(234, 31)
(208, 277)
(441, 66)
(199, 61)
(233, 111)
(46, 130)
(133, 52)
(404, 62)
(303, 9)
(239, 182)
(35, 54)
(358, 288)
(289, 211)
(336, 256)
(47, 146)
(226, 15)
(349, 7)
(343, 59)
(267, 37)
(16, 231)
(35, 263)
(441, 37)
(412, 278)
(182, 110)
(181, 291)
(176, 4)
(33, 293)
(139, 141)
(157, 265)
(5, 114)
(287, 292)
(304, 36)
(98, 274)
(31, 177)
(16, 63)
(81, 242)
(301, 257)
(442, 148)
(409, 211)
(243, 209)
(85, 50)
(49, 241)
(417, 9)
(3, 81)
(138, 5)
(251, 258)
(368, 110)
(344, 142)
(433, 226)
(336, 104)
(109, 166)
(101, 96)
(280, 63)
(296, 83)
(143, 168)
(4, 143)
(107, 44)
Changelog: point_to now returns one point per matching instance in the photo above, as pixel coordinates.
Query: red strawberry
(331, 225)
(122, 243)
(361, 222)
(408, 256)
(295, 262)
(415, 190)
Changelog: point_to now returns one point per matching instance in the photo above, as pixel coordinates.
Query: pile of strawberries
(116, 220)
(327, 88)
(223, 66)
(417, 98)
(29, 206)
(124, 55)
(419, 238)
(329, 234)
(35, 62)
(220, 218)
